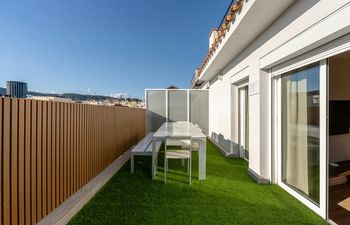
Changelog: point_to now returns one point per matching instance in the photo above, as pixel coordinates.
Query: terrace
(60, 154)
(263, 136)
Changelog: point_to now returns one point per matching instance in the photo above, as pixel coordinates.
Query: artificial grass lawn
(227, 196)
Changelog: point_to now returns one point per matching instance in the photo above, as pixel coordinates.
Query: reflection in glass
(300, 130)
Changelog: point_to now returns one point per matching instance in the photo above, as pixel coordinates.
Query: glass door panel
(300, 102)
(244, 122)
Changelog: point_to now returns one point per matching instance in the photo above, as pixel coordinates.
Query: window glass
(301, 130)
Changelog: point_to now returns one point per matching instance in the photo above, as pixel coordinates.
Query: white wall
(219, 112)
(300, 17)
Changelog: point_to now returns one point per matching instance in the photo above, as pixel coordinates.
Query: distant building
(172, 87)
(17, 89)
(52, 99)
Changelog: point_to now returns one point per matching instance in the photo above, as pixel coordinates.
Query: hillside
(73, 96)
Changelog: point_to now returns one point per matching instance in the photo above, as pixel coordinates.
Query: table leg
(202, 159)
(154, 159)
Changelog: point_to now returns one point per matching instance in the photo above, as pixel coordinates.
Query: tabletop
(179, 130)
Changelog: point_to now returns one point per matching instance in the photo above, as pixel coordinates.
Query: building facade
(16, 89)
(277, 74)
(52, 99)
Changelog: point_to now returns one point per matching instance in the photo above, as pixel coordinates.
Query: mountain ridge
(73, 96)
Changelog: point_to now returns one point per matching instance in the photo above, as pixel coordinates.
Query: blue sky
(105, 46)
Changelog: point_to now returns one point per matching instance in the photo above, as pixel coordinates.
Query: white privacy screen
(177, 105)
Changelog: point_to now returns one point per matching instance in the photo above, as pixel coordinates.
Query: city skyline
(3, 89)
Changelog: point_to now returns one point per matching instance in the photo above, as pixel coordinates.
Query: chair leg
(190, 169)
(165, 169)
(156, 163)
(132, 164)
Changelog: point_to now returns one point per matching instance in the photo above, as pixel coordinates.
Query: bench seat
(143, 148)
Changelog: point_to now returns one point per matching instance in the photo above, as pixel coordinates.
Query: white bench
(143, 148)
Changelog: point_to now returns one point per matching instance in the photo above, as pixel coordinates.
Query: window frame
(276, 76)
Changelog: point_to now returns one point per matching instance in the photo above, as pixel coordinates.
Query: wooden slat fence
(49, 150)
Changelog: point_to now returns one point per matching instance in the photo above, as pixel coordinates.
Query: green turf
(227, 196)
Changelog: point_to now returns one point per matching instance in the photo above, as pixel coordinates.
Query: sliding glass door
(300, 109)
(300, 92)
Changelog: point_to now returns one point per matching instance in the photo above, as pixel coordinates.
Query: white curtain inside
(296, 134)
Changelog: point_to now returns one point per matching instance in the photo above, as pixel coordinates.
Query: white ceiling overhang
(254, 18)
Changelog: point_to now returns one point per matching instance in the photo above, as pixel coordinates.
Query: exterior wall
(219, 113)
(300, 19)
(53, 99)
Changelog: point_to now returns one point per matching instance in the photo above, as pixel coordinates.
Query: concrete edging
(222, 150)
(69, 208)
(257, 178)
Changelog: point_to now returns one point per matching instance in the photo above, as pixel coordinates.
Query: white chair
(183, 154)
(184, 143)
(195, 145)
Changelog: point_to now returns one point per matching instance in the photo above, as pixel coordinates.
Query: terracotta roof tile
(221, 32)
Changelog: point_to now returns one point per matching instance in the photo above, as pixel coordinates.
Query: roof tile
(234, 9)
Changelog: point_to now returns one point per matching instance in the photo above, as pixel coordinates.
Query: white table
(181, 130)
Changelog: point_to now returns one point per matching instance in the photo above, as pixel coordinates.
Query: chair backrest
(172, 140)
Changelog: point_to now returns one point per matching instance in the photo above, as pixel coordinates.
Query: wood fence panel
(85, 158)
(38, 162)
(21, 162)
(76, 178)
(1, 145)
(65, 151)
(49, 157)
(33, 162)
(80, 172)
(14, 162)
(6, 161)
(57, 157)
(61, 150)
(74, 162)
(53, 157)
(27, 157)
(50, 150)
(88, 165)
(69, 149)
(44, 160)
